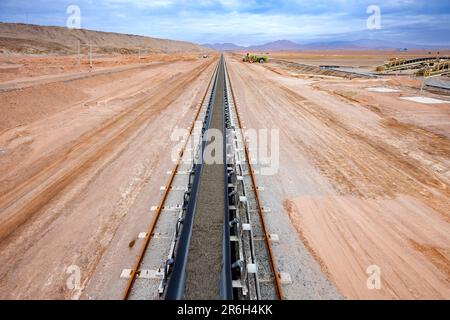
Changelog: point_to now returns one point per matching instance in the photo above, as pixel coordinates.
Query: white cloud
(235, 26)
(143, 3)
(246, 22)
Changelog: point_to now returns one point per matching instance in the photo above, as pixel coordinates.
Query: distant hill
(280, 45)
(33, 39)
(286, 45)
(223, 46)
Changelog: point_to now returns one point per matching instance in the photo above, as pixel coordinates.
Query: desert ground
(77, 156)
(364, 176)
(363, 179)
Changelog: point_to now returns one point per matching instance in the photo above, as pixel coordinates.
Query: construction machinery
(408, 64)
(435, 69)
(251, 58)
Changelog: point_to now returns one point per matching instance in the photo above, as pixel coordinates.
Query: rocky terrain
(32, 39)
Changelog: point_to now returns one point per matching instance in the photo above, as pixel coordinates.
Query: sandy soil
(19, 68)
(364, 179)
(403, 236)
(75, 171)
(389, 106)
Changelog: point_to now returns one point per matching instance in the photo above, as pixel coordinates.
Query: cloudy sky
(246, 22)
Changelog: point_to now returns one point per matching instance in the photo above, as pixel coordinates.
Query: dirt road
(357, 186)
(90, 161)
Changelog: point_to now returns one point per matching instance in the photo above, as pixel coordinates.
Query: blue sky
(246, 22)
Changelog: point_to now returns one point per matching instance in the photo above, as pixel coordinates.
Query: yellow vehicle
(255, 58)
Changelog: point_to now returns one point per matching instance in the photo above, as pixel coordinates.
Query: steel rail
(247, 213)
(278, 286)
(176, 284)
(164, 198)
(226, 287)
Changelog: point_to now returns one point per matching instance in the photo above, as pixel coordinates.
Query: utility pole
(90, 53)
(423, 85)
(424, 79)
(79, 53)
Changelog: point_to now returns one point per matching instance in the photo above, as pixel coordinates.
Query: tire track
(33, 194)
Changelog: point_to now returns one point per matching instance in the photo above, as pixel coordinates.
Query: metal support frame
(177, 274)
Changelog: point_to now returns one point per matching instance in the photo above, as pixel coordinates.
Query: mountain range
(34, 39)
(286, 45)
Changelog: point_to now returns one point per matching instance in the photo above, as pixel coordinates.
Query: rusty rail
(278, 286)
(163, 200)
